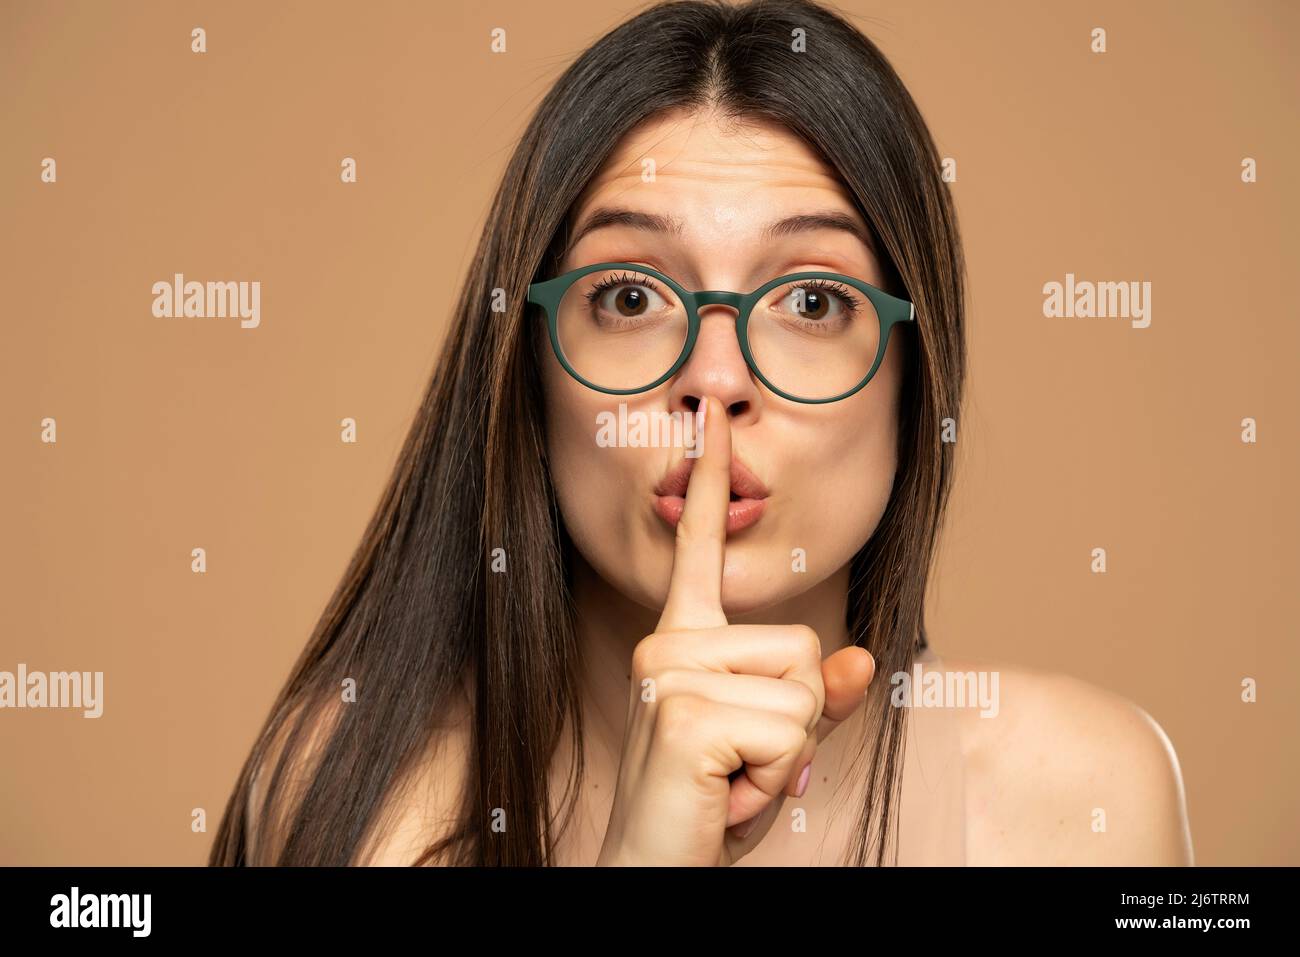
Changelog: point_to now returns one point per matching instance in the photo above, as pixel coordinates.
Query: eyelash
(846, 297)
(609, 282)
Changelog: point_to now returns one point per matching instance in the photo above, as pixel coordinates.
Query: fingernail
(704, 412)
(803, 780)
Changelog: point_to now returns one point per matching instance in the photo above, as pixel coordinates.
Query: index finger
(695, 590)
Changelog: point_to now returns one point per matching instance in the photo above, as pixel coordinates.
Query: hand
(722, 719)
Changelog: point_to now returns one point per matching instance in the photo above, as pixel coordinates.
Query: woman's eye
(629, 301)
(809, 302)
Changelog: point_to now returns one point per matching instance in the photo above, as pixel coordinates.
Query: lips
(748, 495)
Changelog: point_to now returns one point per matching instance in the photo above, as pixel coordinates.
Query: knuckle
(796, 736)
(810, 704)
(678, 717)
(669, 682)
(810, 643)
(647, 655)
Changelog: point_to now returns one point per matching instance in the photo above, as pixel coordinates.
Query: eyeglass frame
(889, 311)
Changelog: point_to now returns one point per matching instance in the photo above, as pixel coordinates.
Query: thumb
(846, 676)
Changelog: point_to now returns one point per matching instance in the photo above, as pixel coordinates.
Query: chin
(741, 602)
(745, 592)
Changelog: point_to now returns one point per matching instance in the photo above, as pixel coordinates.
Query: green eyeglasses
(621, 329)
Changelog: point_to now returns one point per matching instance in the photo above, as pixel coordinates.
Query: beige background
(174, 434)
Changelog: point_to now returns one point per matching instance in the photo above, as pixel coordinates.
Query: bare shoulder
(264, 831)
(423, 808)
(427, 806)
(1066, 772)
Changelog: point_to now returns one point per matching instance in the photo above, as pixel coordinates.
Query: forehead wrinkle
(748, 174)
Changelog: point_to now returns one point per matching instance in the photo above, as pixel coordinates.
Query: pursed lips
(748, 495)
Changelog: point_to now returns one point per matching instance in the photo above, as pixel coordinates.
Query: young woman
(552, 648)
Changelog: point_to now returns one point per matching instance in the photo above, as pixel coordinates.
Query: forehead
(700, 184)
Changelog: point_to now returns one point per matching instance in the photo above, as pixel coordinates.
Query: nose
(716, 367)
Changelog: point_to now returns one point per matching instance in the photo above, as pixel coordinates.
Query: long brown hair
(418, 619)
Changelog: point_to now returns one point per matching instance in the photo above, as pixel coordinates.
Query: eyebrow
(606, 216)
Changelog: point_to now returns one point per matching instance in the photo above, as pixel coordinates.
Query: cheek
(854, 475)
(596, 486)
(841, 471)
(580, 485)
